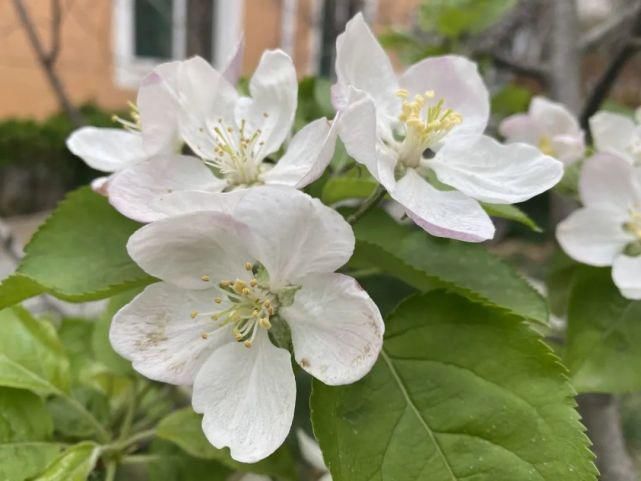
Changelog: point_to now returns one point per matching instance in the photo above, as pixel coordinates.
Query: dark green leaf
(460, 392)
(427, 262)
(172, 464)
(347, 187)
(603, 348)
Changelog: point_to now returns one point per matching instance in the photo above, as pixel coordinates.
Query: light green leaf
(511, 212)
(31, 355)
(453, 18)
(427, 262)
(78, 254)
(74, 464)
(183, 428)
(603, 345)
(460, 392)
(347, 187)
(25, 428)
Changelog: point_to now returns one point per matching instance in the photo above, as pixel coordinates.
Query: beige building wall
(86, 60)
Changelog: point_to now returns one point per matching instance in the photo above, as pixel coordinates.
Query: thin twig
(538, 72)
(369, 203)
(600, 34)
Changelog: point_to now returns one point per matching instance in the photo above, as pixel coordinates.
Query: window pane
(153, 26)
(200, 15)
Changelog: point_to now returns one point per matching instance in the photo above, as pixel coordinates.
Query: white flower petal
(337, 330)
(187, 202)
(307, 155)
(254, 477)
(105, 149)
(158, 108)
(325, 477)
(492, 172)
(310, 450)
(100, 185)
(612, 133)
(362, 63)
(520, 128)
(205, 97)
(296, 234)
(593, 235)
(457, 81)
(158, 334)
(272, 105)
(552, 118)
(568, 148)
(133, 191)
(442, 213)
(182, 249)
(608, 180)
(626, 273)
(247, 397)
(234, 63)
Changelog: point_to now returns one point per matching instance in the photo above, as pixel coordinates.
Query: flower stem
(368, 204)
(125, 443)
(110, 474)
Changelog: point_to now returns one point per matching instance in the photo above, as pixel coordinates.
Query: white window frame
(129, 69)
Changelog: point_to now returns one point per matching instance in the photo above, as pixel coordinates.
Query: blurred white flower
(259, 269)
(312, 454)
(607, 230)
(550, 127)
(233, 137)
(617, 134)
(421, 136)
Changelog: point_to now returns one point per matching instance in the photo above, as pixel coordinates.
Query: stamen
(205, 277)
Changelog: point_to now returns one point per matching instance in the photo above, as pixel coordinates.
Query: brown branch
(47, 59)
(609, 30)
(540, 73)
(56, 22)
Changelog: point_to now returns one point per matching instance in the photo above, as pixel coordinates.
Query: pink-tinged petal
(612, 133)
(607, 180)
(626, 273)
(520, 128)
(182, 249)
(568, 148)
(272, 105)
(362, 63)
(442, 213)
(307, 155)
(593, 235)
(108, 150)
(158, 108)
(133, 191)
(552, 118)
(247, 396)
(205, 98)
(310, 450)
(100, 184)
(337, 330)
(457, 81)
(296, 234)
(492, 172)
(157, 333)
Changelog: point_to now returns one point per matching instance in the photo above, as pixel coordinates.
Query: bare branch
(47, 60)
(538, 72)
(606, 32)
(56, 21)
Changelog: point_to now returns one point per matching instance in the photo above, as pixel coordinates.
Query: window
(148, 32)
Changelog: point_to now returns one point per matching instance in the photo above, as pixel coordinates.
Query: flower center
(545, 146)
(250, 307)
(633, 226)
(236, 153)
(425, 126)
(132, 125)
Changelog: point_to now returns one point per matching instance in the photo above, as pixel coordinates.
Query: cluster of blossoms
(606, 231)
(245, 260)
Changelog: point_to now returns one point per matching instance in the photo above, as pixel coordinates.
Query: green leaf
(347, 187)
(74, 464)
(25, 426)
(453, 18)
(510, 100)
(511, 212)
(31, 355)
(603, 345)
(460, 392)
(183, 428)
(427, 262)
(78, 254)
(172, 464)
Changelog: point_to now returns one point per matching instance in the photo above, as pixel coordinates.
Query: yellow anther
(248, 266)
(224, 284)
(214, 317)
(194, 314)
(246, 291)
(402, 93)
(218, 300)
(255, 313)
(239, 286)
(264, 323)
(247, 343)
(267, 303)
(253, 283)
(204, 335)
(205, 277)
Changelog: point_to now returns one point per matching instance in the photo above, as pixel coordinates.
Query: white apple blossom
(421, 136)
(549, 126)
(617, 134)
(232, 282)
(607, 230)
(234, 138)
(312, 453)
